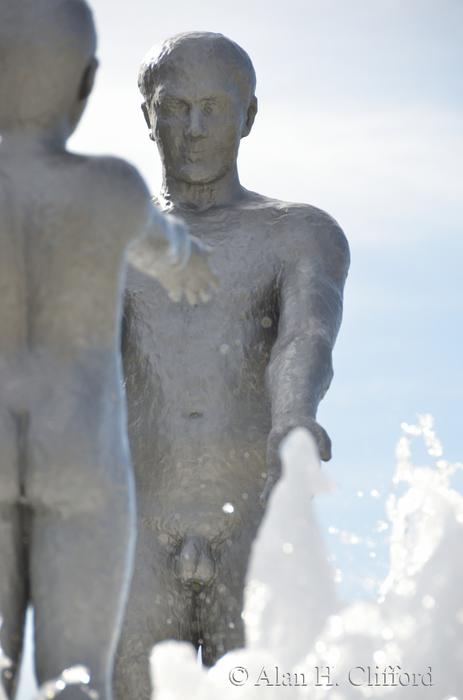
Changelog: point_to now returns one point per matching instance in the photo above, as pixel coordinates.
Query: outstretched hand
(195, 280)
(176, 259)
(276, 436)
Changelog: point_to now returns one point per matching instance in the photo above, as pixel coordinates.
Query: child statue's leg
(13, 545)
(82, 537)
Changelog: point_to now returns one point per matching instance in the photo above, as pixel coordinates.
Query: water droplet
(228, 508)
(428, 602)
(75, 675)
(336, 625)
(379, 657)
(349, 538)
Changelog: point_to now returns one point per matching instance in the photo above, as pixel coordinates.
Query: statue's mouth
(192, 155)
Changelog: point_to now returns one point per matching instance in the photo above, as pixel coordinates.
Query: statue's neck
(178, 194)
(31, 140)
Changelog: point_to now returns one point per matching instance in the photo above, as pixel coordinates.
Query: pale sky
(360, 113)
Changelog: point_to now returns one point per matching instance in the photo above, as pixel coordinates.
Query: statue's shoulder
(115, 193)
(301, 226)
(115, 179)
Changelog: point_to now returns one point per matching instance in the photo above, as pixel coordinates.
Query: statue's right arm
(157, 244)
(179, 261)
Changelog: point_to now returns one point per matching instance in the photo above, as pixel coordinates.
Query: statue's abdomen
(199, 414)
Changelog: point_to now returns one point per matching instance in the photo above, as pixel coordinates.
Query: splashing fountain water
(300, 641)
(75, 675)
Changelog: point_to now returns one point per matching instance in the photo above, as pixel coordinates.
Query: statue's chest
(242, 313)
(243, 255)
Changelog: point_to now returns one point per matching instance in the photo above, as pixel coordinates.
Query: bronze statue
(213, 389)
(67, 507)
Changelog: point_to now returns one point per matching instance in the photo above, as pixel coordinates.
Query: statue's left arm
(300, 370)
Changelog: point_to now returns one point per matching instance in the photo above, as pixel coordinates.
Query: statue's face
(197, 118)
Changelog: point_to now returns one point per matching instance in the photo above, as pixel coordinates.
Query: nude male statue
(213, 389)
(67, 507)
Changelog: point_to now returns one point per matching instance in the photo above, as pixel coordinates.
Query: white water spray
(300, 641)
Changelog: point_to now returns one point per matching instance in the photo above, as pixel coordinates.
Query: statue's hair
(45, 47)
(210, 46)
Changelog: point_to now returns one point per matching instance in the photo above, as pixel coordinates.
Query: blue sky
(360, 113)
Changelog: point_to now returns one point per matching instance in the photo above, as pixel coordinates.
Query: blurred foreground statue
(213, 389)
(67, 507)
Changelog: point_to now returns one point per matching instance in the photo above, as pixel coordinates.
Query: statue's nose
(195, 127)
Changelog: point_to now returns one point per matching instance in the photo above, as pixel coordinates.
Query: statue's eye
(171, 107)
(210, 107)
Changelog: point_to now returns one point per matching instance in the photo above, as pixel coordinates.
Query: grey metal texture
(67, 501)
(213, 389)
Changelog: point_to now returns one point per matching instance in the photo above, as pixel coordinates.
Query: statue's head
(47, 63)
(199, 101)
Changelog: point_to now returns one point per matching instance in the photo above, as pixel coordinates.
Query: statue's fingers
(204, 296)
(214, 282)
(191, 296)
(324, 444)
(176, 295)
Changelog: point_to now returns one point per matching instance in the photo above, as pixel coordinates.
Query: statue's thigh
(221, 606)
(158, 602)
(159, 608)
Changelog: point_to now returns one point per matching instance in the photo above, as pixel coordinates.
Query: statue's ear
(250, 116)
(146, 114)
(88, 79)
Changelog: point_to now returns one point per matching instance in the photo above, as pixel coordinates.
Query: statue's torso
(60, 270)
(199, 413)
